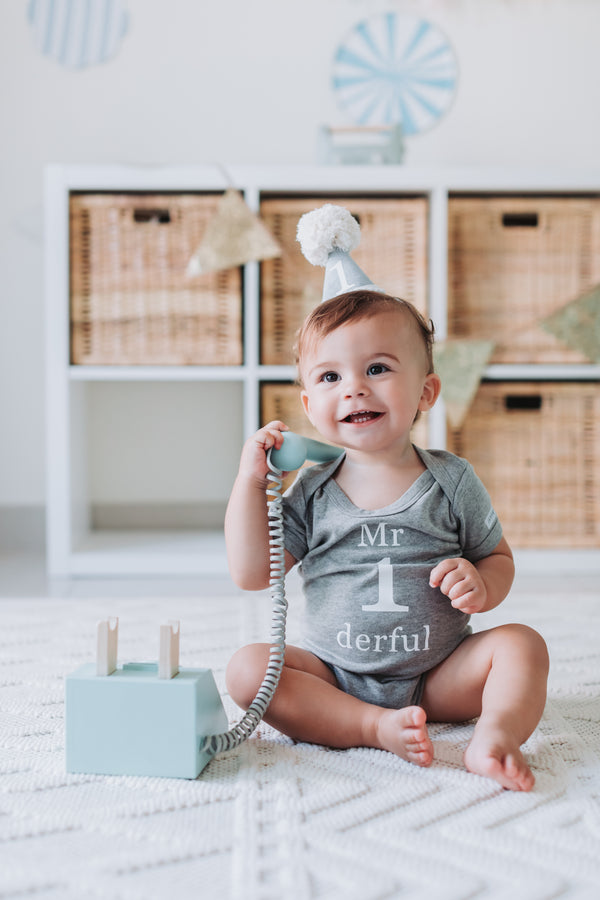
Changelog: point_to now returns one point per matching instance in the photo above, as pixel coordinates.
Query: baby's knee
(530, 643)
(245, 672)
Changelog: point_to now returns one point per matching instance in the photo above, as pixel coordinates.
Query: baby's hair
(356, 305)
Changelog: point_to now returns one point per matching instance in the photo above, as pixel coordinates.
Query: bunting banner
(233, 237)
(578, 324)
(460, 365)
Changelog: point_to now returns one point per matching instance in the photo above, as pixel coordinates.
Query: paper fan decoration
(395, 69)
(78, 33)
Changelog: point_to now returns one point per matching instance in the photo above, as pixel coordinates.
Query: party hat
(327, 235)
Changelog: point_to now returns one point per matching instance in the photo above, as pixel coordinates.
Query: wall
(250, 82)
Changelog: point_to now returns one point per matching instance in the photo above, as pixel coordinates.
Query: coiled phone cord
(229, 740)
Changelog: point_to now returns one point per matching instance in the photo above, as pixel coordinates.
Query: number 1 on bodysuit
(385, 599)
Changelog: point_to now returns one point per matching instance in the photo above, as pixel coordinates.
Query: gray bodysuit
(371, 615)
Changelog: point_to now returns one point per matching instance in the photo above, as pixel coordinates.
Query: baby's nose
(356, 387)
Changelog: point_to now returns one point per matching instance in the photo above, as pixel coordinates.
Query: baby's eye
(330, 377)
(377, 369)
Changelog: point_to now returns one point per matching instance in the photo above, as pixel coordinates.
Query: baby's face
(365, 382)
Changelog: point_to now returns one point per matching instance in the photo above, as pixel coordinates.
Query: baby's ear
(306, 405)
(431, 391)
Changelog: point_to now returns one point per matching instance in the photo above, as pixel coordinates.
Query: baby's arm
(476, 587)
(246, 519)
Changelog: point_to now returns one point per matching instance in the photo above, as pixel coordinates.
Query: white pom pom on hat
(327, 235)
(325, 229)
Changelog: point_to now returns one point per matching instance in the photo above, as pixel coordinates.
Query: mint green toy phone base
(132, 722)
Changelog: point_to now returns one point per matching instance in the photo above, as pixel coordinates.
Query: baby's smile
(364, 415)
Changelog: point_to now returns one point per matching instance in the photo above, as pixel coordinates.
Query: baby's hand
(460, 581)
(253, 462)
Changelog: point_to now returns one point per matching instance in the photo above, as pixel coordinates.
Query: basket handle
(520, 220)
(523, 402)
(143, 215)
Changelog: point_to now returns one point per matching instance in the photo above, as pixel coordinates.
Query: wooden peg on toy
(106, 648)
(168, 659)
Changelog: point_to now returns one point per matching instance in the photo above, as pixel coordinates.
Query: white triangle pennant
(234, 236)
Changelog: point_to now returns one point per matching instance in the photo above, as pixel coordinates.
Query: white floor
(276, 818)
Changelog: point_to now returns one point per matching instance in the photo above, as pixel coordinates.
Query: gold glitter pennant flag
(578, 324)
(460, 364)
(234, 236)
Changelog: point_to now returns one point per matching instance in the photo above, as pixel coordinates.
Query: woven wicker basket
(536, 447)
(513, 261)
(131, 301)
(282, 401)
(392, 252)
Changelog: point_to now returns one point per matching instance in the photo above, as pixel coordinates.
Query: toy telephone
(158, 719)
(297, 449)
(293, 453)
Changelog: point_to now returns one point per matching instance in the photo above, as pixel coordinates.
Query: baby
(397, 547)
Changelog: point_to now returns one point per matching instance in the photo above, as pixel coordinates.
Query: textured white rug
(278, 819)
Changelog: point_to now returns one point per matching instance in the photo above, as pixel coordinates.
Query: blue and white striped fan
(78, 33)
(395, 70)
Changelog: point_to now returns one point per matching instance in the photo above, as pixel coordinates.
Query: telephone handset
(293, 453)
(296, 449)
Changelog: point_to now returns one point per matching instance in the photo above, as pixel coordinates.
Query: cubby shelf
(73, 547)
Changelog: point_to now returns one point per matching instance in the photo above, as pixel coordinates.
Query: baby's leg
(308, 706)
(499, 675)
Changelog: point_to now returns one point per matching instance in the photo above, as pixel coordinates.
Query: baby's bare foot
(495, 754)
(403, 732)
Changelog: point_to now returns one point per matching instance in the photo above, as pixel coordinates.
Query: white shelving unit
(73, 548)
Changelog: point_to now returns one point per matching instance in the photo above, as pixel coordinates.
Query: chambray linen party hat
(326, 236)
